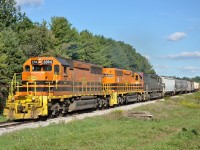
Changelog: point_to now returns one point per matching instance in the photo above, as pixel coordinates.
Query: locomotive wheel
(105, 103)
(119, 100)
(148, 97)
(123, 100)
(55, 112)
(139, 98)
(100, 103)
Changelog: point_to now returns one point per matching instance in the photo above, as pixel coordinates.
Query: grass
(176, 125)
(2, 118)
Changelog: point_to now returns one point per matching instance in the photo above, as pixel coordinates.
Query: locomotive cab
(40, 82)
(41, 76)
(40, 70)
(44, 69)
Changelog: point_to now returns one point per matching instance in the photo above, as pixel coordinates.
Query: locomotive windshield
(36, 68)
(41, 68)
(41, 65)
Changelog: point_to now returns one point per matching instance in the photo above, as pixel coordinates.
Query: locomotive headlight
(33, 99)
(12, 99)
(39, 61)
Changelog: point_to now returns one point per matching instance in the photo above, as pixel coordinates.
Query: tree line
(21, 38)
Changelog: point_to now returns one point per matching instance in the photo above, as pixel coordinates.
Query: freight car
(192, 87)
(178, 86)
(189, 87)
(196, 86)
(174, 86)
(184, 86)
(169, 85)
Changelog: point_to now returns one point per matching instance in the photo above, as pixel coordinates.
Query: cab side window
(136, 77)
(27, 68)
(65, 70)
(56, 69)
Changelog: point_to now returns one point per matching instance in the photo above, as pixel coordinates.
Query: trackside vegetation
(175, 125)
(2, 118)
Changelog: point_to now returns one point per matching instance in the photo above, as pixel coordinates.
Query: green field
(175, 125)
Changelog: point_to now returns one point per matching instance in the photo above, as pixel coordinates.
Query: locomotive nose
(33, 76)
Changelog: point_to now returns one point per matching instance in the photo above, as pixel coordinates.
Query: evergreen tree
(37, 41)
(66, 37)
(10, 14)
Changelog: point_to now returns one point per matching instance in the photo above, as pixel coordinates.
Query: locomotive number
(47, 62)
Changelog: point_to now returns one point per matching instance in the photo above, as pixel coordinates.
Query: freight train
(51, 86)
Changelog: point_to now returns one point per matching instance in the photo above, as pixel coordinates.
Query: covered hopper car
(169, 85)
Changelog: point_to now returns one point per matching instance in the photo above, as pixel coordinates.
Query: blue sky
(167, 32)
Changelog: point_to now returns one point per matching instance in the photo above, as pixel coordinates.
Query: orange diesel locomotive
(127, 85)
(51, 86)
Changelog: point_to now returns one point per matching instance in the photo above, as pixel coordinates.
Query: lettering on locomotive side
(34, 62)
(45, 62)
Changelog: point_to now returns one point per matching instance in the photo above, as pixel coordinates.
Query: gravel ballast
(70, 118)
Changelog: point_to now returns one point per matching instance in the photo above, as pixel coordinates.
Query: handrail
(14, 84)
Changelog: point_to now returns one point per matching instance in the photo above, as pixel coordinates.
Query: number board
(47, 62)
(44, 62)
(34, 62)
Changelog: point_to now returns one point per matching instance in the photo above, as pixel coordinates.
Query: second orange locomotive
(50, 86)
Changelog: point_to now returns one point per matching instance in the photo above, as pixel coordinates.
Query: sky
(166, 32)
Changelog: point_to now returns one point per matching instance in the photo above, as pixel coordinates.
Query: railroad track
(8, 124)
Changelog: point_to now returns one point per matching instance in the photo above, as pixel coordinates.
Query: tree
(66, 37)
(10, 14)
(196, 79)
(37, 41)
(63, 30)
(24, 24)
(11, 59)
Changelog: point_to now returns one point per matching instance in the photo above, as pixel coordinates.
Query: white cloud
(29, 2)
(189, 69)
(185, 55)
(177, 36)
